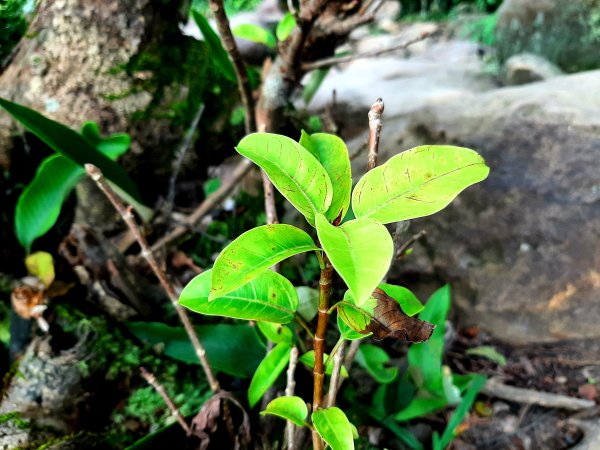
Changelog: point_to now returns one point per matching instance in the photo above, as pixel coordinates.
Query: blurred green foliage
(12, 24)
(232, 6)
(441, 8)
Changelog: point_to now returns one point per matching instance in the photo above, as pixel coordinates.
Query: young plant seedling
(314, 176)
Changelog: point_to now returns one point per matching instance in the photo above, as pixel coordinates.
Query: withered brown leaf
(383, 317)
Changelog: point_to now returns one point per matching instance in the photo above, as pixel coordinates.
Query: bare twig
(591, 434)
(335, 60)
(207, 205)
(179, 156)
(151, 379)
(228, 41)
(351, 355)
(146, 252)
(338, 361)
(374, 132)
(404, 247)
(289, 391)
(495, 388)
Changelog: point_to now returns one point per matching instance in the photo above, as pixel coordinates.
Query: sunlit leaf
(409, 303)
(360, 251)
(308, 359)
(332, 153)
(269, 369)
(232, 349)
(255, 33)
(334, 427)
(254, 252)
(421, 406)
(285, 26)
(416, 183)
(269, 297)
(289, 408)
(347, 332)
(382, 316)
(374, 359)
(218, 54)
(276, 332)
(41, 265)
(294, 171)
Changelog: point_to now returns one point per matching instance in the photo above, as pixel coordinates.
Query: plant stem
(289, 391)
(146, 252)
(151, 379)
(319, 341)
(338, 361)
(216, 6)
(374, 131)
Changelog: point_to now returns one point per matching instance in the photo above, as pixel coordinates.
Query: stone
(521, 248)
(526, 68)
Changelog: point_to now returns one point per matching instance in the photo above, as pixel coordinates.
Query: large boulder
(526, 67)
(522, 248)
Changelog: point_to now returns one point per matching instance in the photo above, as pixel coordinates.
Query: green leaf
(254, 252)
(269, 297)
(489, 352)
(451, 391)
(409, 303)
(276, 332)
(373, 359)
(309, 302)
(39, 205)
(416, 183)
(315, 80)
(425, 360)
(268, 371)
(461, 411)
(213, 42)
(308, 359)
(232, 349)
(41, 265)
(332, 153)
(285, 26)
(294, 171)
(71, 144)
(113, 146)
(211, 185)
(334, 427)
(289, 408)
(360, 251)
(255, 33)
(347, 332)
(421, 406)
(403, 434)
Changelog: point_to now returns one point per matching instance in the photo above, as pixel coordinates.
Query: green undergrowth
(13, 24)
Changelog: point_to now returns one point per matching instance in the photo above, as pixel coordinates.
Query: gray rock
(521, 249)
(526, 68)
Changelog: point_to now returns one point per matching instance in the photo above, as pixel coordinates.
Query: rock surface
(526, 68)
(520, 249)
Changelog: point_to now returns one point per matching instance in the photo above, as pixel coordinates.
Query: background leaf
(213, 42)
(255, 33)
(309, 302)
(113, 146)
(276, 332)
(489, 352)
(374, 359)
(332, 153)
(416, 183)
(254, 252)
(269, 369)
(334, 427)
(285, 26)
(294, 171)
(232, 349)
(71, 144)
(360, 251)
(289, 408)
(41, 265)
(269, 297)
(421, 406)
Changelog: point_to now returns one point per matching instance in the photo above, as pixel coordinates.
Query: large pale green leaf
(416, 183)
(374, 360)
(360, 251)
(269, 369)
(285, 26)
(409, 302)
(294, 171)
(334, 427)
(213, 42)
(255, 33)
(290, 408)
(332, 153)
(254, 252)
(71, 144)
(232, 349)
(425, 360)
(40, 202)
(269, 297)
